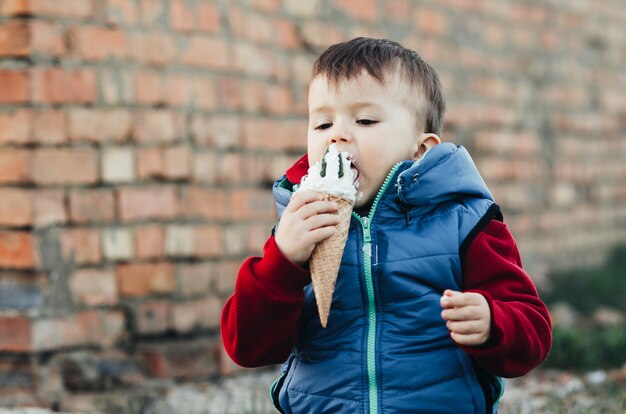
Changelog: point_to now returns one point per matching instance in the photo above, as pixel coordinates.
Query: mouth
(355, 170)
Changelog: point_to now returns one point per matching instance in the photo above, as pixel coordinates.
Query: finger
(322, 220)
(468, 340)
(446, 298)
(465, 313)
(466, 327)
(302, 198)
(316, 207)
(453, 299)
(317, 235)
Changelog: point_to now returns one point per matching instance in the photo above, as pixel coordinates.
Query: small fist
(307, 220)
(468, 317)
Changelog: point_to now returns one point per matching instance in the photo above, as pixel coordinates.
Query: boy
(431, 305)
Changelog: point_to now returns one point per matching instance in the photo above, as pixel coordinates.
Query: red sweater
(260, 321)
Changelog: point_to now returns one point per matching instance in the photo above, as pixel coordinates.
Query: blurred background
(139, 140)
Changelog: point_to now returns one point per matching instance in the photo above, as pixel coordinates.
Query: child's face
(371, 121)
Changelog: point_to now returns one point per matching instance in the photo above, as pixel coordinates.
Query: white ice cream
(327, 179)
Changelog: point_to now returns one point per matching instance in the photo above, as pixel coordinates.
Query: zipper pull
(367, 238)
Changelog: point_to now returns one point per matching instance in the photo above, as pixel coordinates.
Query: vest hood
(445, 173)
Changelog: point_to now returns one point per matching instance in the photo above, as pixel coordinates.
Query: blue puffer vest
(386, 348)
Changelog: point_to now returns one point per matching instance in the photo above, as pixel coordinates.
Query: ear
(425, 142)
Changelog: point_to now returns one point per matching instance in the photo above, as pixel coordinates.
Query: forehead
(364, 88)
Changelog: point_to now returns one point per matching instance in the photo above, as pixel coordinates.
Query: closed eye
(323, 126)
(366, 122)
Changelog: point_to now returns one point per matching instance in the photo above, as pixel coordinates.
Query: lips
(354, 168)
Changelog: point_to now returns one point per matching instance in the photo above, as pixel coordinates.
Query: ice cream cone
(326, 258)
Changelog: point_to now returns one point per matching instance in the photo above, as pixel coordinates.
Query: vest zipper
(372, 382)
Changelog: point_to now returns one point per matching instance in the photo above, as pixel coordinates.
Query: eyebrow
(354, 105)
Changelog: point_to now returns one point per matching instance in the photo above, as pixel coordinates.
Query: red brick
(15, 38)
(256, 235)
(257, 130)
(177, 162)
(13, 86)
(278, 99)
(206, 203)
(226, 277)
(187, 359)
(209, 18)
(87, 206)
(121, 12)
(204, 169)
(320, 35)
(49, 127)
(229, 168)
(206, 52)
(398, 10)
(49, 208)
(182, 18)
(431, 21)
(251, 204)
(359, 9)
(156, 126)
(208, 241)
(14, 7)
(196, 279)
(145, 279)
(57, 85)
(97, 43)
(286, 33)
(253, 27)
(15, 165)
(267, 5)
(149, 88)
(229, 94)
(15, 127)
(84, 328)
(149, 241)
(150, 163)
(17, 250)
(116, 86)
(196, 315)
(15, 334)
(47, 38)
(203, 93)
(147, 203)
(152, 11)
(16, 208)
(152, 48)
(81, 245)
(234, 241)
(254, 91)
(263, 58)
(220, 131)
(153, 317)
(65, 166)
(302, 8)
(226, 366)
(179, 90)
(99, 125)
(66, 8)
(93, 287)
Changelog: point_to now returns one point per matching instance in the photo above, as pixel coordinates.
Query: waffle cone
(326, 258)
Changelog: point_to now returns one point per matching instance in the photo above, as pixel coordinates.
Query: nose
(339, 135)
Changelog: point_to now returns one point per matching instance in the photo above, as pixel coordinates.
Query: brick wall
(139, 138)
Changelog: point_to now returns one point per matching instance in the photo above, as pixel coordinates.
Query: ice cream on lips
(333, 174)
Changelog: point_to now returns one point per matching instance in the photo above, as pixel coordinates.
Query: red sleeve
(259, 322)
(521, 330)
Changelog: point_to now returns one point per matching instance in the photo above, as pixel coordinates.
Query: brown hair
(343, 61)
